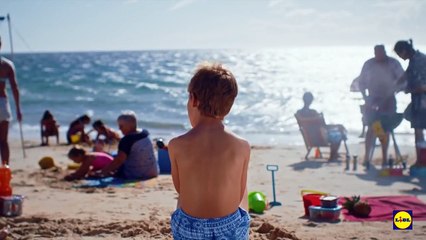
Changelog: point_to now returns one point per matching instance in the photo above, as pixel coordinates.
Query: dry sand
(55, 209)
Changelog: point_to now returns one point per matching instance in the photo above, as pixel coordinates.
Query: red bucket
(311, 198)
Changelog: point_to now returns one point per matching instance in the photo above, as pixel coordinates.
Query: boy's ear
(194, 100)
(195, 103)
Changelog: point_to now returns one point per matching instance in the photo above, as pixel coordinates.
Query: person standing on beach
(378, 84)
(209, 163)
(7, 72)
(415, 76)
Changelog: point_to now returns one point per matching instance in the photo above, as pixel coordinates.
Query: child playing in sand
(76, 129)
(49, 127)
(89, 162)
(209, 163)
(106, 135)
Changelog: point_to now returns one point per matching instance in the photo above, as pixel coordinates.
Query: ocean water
(154, 85)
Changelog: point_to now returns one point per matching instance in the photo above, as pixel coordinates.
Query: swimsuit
(234, 226)
(5, 112)
(101, 160)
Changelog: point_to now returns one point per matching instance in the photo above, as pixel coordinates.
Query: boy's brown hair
(215, 88)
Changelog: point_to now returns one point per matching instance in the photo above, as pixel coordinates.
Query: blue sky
(85, 25)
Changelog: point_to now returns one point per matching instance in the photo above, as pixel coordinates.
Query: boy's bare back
(209, 163)
(212, 170)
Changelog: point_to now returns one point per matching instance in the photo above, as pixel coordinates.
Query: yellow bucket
(73, 166)
(75, 138)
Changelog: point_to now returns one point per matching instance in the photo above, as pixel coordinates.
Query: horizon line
(7, 51)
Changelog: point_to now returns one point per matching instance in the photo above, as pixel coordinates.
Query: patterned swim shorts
(234, 226)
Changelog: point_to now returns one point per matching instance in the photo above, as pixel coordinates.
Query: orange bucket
(311, 198)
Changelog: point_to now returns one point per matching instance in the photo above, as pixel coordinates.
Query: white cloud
(280, 5)
(180, 4)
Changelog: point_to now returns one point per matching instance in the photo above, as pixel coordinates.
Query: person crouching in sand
(209, 163)
(89, 162)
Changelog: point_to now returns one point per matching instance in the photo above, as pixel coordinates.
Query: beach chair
(48, 128)
(315, 134)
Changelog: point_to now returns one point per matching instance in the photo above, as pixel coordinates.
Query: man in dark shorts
(379, 77)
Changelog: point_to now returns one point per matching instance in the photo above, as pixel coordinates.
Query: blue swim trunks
(234, 226)
(334, 136)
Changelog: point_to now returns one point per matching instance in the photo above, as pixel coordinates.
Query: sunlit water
(154, 85)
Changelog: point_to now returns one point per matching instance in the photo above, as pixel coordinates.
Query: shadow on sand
(37, 145)
(373, 175)
(314, 164)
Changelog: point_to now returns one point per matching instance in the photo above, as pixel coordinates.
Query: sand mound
(264, 230)
(43, 227)
(35, 227)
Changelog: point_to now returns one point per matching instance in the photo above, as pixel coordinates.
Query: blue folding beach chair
(315, 131)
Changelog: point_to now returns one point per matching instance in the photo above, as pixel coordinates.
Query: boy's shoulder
(236, 137)
(190, 137)
(179, 139)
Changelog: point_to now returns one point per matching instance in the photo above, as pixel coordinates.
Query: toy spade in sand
(273, 168)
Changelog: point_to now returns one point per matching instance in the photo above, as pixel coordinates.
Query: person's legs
(335, 134)
(42, 137)
(334, 150)
(385, 147)
(419, 137)
(370, 141)
(363, 120)
(4, 145)
(363, 131)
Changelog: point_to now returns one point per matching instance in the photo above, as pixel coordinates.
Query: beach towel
(382, 208)
(115, 182)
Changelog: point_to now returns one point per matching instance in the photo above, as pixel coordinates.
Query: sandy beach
(54, 209)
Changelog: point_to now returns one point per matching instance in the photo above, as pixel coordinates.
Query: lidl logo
(402, 219)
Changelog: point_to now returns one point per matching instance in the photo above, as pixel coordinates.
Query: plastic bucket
(75, 138)
(257, 202)
(311, 198)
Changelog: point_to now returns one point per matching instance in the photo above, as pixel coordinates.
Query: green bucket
(257, 202)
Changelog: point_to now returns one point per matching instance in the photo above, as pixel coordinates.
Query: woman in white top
(7, 72)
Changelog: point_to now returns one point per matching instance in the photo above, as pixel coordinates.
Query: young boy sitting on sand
(209, 163)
